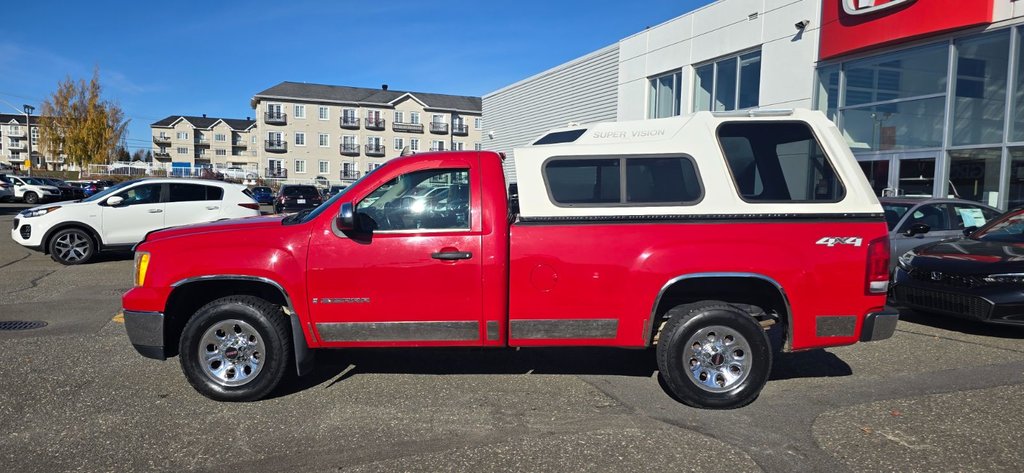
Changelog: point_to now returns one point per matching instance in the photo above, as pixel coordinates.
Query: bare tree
(77, 122)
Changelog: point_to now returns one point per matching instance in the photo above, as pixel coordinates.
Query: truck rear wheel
(236, 348)
(713, 355)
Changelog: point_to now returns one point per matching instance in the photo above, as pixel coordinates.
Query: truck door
(411, 274)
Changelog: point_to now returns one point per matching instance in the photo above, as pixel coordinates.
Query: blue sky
(212, 57)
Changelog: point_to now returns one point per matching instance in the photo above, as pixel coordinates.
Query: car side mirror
(115, 201)
(346, 219)
(969, 230)
(917, 229)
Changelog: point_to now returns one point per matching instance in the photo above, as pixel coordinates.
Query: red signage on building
(853, 25)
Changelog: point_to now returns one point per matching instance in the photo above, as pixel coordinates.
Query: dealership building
(928, 93)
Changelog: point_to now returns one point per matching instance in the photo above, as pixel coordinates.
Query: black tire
(72, 246)
(31, 198)
(275, 353)
(745, 361)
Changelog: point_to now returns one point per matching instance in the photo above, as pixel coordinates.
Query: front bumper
(146, 332)
(879, 325)
(994, 303)
(33, 227)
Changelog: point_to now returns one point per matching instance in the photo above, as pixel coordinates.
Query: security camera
(802, 24)
(490, 134)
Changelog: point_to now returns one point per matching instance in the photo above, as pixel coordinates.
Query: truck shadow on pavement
(337, 366)
(969, 327)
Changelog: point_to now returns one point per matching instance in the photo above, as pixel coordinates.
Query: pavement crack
(23, 258)
(941, 337)
(34, 283)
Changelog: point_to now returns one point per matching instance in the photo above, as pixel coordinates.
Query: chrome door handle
(155, 211)
(212, 207)
(451, 255)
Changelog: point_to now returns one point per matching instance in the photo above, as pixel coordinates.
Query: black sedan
(979, 276)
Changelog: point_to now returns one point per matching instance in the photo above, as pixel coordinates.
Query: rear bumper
(879, 325)
(146, 333)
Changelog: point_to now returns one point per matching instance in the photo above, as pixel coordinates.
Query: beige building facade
(15, 138)
(337, 133)
(187, 141)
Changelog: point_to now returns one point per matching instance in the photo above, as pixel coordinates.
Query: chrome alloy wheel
(72, 247)
(718, 358)
(231, 352)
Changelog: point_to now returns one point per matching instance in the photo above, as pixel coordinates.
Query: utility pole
(28, 109)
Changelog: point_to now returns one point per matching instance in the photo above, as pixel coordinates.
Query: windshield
(291, 191)
(1008, 228)
(261, 189)
(307, 215)
(110, 190)
(894, 212)
(35, 181)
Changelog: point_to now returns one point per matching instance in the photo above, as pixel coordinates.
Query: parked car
(696, 245)
(88, 187)
(915, 221)
(334, 190)
(67, 191)
(978, 276)
(119, 217)
(295, 197)
(236, 172)
(33, 190)
(263, 194)
(6, 189)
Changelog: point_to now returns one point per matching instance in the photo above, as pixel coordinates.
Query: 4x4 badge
(833, 241)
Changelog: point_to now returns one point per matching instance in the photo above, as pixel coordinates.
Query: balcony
(166, 140)
(276, 146)
(19, 133)
(275, 173)
(162, 155)
(16, 145)
(349, 174)
(375, 150)
(239, 144)
(275, 118)
(350, 149)
(202, 141)
(460, 129)
(374, 123)
(441, 128)
(407, 127)
(350, 123)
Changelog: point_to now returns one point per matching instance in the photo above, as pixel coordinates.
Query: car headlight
(1005, 278)
(38, 212)
(906, 259)
(141, 267)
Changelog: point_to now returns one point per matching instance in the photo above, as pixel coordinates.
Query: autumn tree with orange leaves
(79, 124)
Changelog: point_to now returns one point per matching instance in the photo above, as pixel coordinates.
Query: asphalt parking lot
(942, 395)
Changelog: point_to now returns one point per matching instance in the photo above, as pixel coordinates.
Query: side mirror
(969, 230)
(346, 219)
(115, 201)
(917, 229)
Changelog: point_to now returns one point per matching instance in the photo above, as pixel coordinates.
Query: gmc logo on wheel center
(864, 7)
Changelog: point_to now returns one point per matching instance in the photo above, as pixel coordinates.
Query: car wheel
(31, 198)
(72, 246)
(236, 348)
(713, 355)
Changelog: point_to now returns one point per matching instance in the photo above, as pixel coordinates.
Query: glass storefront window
(974, 174)
(828, 91)
(1015, 193)
(917, 177)
(877, 173)
(895, 126)
(980, 104)
(904, 74)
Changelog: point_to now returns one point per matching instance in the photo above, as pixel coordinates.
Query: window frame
(677, 93)
(737, 91)
(471, 211)
(295, 111)
(295, 166)
(622, 203)
(296, 138)
(323, 112)
(828, 158)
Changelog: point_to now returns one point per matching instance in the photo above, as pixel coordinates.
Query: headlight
(906, 259)
(1005, 278)
(141, 267)
(38, 212)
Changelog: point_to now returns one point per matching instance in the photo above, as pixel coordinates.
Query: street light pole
(28, 127)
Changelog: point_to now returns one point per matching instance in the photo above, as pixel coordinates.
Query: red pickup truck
(696, 234)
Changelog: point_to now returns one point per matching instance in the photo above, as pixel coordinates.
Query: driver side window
(934, 215)
(433, 199)
(144, 194)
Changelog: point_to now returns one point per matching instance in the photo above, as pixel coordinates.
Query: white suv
(33, 189)
(121, 216)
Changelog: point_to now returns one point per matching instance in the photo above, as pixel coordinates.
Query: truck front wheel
(713, 355)
(236, 348)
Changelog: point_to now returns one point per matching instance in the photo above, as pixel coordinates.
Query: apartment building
(15, 135)
(186, 142)
(338, 133)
